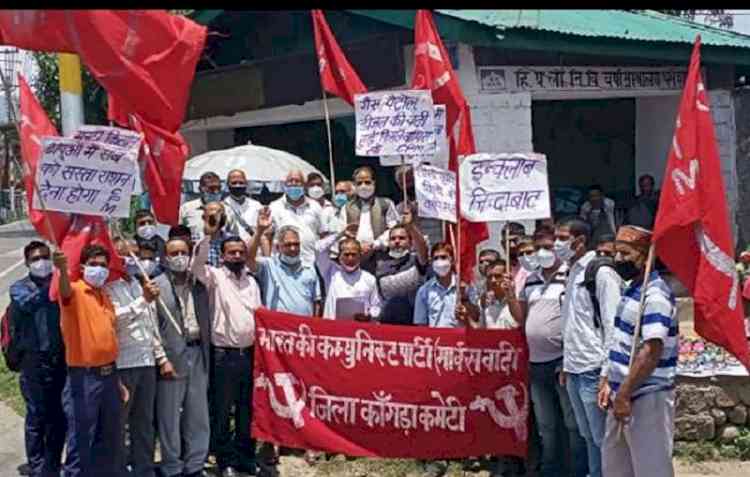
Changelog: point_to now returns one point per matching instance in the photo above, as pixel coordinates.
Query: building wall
(742, 122)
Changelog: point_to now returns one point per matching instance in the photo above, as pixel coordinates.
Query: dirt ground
(292, 466)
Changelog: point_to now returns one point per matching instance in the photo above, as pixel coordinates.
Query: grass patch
(10, 393)
(694, 452)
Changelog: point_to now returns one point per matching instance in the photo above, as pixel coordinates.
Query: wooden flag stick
(507, 249)
(639, 317)
(330, 140)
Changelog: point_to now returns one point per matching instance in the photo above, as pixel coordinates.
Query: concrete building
(595, 90)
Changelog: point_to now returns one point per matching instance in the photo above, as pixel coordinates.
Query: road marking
(12, 267)
(12, 253)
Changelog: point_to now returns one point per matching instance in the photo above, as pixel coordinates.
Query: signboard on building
(513, 79)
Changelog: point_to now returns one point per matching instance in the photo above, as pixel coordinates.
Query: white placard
(442, 152)
(394, 123)
(85, 177)
(436, 193)
(118, 137)
(510, 186)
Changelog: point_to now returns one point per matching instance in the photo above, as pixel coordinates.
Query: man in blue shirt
(43, 367)
(287, 284)
(435, 305)
(639, 433)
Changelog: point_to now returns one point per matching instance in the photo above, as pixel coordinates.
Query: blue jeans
(554, 417)
(92, 404)
(42, 382)
(583, 389)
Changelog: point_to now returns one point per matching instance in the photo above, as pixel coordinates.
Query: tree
(47, 87)
(717, 18)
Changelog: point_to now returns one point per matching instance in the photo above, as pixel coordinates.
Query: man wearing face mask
(433, 228)
(215, 217)
(235, 297)
(242, 210)
(538, 309)
(400, 271)
(373, 215)
(288, 285)
(145, 231)
(140, 350)
(644, 394)
(332, 223)
(345, 278)
(191, 213)
(299, 211)
(91, 397)
(42, 361)
(435, 304)
(587, 332)
(182, 402)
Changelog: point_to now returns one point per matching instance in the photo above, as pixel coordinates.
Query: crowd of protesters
(166, 353)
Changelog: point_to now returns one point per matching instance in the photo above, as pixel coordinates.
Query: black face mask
(627, 270)
(238, 191)
(235, 267)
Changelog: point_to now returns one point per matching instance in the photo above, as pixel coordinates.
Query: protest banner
(365, 389)
(85, 177)
(118, 137)
(436, 193)
(394, 123)
(442, 151)
(496, 187)
(114, 136)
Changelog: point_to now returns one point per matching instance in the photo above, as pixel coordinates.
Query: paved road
(13, 237)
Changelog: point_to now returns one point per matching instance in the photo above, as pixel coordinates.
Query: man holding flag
(693, 239)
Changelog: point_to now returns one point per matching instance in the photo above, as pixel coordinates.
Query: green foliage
(47, 87)
(695, 452)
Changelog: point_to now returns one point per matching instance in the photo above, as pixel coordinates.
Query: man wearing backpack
(43, 369)
(588, 314)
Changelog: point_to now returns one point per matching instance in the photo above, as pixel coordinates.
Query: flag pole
(330, 140)
(25, 168)
(639, 317)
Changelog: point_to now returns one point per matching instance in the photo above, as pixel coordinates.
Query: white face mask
(41, 268)
(315, 192)
(545, 258)
(179, 263)
(528, 262)
(146, 232)
(398, 252)
(365, 191)
(564, 250)
(95, 275)
(441, 267)
(148, 266)
(292, 261)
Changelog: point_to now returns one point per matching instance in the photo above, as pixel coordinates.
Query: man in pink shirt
(235, 296)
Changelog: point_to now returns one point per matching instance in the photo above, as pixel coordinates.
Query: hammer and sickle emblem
(515, 418)
(294, 405)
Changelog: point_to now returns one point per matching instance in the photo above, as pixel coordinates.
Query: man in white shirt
(297, 210)
(191, 212)
(345, 279)
(242, 211)
(332, 222)
(587, 333)
(599, 213)
(373, 215)
(140, 348)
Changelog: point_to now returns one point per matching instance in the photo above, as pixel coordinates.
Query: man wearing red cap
(640, 397)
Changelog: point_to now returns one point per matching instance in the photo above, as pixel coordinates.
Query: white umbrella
(262, 165)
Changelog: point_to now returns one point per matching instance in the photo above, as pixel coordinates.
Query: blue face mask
(295, 193)
(211, 197)
(340, 199)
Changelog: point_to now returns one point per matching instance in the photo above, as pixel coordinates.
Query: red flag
(433, 71)
(146, 61)
(84, 230)
(33, 125)
(692, 232)
(336, 74)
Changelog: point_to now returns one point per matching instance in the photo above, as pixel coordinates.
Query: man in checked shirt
(140, 349)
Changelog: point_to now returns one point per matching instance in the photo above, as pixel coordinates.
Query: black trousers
(233, 384)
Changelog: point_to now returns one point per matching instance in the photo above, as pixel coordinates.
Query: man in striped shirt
(640, 423)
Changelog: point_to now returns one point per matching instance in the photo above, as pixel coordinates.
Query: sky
(741, 21)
